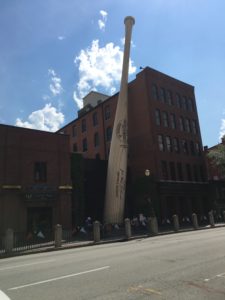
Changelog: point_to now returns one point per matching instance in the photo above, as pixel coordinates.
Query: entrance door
(39, 219)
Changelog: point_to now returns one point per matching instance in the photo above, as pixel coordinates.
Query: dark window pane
(168, 144)
(96, 139)
(155, 92)
(95, 119)
(83, 125)
(165, 119)
(162, 95)
(74, 133)
(108, 134)
(40, 171)
(107, 112)
(157, 117)
(85, 146)
(169, 97)
(173, 121)
(161, 143)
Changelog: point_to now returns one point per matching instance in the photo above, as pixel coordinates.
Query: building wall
(167, 165)
(20, 149)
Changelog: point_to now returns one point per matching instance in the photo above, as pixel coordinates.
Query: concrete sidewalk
(79, 244)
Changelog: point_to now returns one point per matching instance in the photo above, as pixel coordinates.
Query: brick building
(164, 137)
(216, 180)
(35, 184)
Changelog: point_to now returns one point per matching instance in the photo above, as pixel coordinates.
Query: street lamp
(147, 172)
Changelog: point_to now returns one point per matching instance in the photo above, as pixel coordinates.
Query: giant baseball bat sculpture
(117, 163)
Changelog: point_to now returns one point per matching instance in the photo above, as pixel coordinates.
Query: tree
(217, 157)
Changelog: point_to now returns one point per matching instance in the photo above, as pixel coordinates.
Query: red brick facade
(34, 177)
(164, 136)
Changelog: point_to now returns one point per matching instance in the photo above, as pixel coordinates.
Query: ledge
(11, 187)
(65, 187)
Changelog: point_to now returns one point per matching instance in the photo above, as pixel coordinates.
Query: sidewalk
(79, 244)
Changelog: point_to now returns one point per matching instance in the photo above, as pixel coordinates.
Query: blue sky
(53, 52)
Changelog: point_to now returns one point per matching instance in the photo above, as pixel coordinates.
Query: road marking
(58, 278)
(220, 275)
(26, 265)
(3, 296)
(214, 277)
(143, 290)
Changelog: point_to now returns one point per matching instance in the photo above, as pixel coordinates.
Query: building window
(83, 125)
(165, 119)
(198, 149)
(75, 147)
(190, 104)
(162, 95)
(96, 139)
(108, 134)
(178, 101)
(173, 121)
(184, 103)
(107, 112)
(181, 122)
(155, 92)
(176, 147)
(189, 175)
(194, 126)
(161, 143)
(192, 148)
(40, 171)
(184, 146)
(164, 170)
(169, 97)
(85, 145)
(168, 144)
(95, 119)
(172, 171)
(187, 125)
(157, 117)
(74, 131)
(180, 171)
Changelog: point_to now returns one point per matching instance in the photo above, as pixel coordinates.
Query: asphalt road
(188, 265)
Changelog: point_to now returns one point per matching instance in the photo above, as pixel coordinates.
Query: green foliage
(217, 156)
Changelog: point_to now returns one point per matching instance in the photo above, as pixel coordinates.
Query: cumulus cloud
(222, 129)
(47, 118)
(102, 21)
(55, 85)
(99, 68)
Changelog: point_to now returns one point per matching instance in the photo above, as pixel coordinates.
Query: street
(186, 265)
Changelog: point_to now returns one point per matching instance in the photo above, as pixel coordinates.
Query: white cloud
(55, 85)
(102, 21)
(61, 38)
(99, 68)
(222, 129)
(46, 97)
(122, 40)
(47, 118)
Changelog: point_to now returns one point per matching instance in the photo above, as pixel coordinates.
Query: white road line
(3, 296)
(58, 278)
(26, 265)
(214, 277)
(220, 275)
